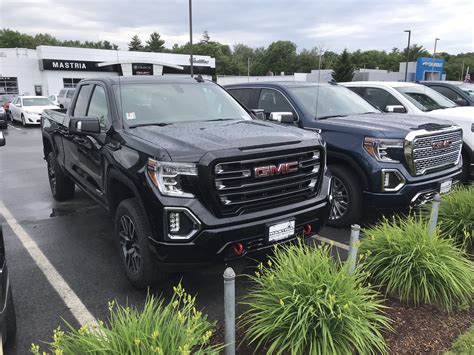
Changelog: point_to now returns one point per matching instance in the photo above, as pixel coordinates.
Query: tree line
(279, 56)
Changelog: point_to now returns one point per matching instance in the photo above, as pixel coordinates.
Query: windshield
(37, 101)
(468, 89)
(333, 101)
(167, 103)
(425, 98)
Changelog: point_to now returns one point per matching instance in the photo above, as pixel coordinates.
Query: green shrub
(175, 328)
(409, 264)
(303, 303)
(456, 216)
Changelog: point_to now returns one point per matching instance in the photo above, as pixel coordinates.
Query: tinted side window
(243, 95)
(82, 99)
(98, 107)
(273, 101)
(449, 93)
(62, 93)
(70, 94)
(380, 98)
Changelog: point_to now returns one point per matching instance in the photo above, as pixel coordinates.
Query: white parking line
(330, 241)
(12, 126)
(72, 301)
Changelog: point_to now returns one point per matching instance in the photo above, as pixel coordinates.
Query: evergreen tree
(155, 43)
(205, 37)
(135, 44)
(343, 70)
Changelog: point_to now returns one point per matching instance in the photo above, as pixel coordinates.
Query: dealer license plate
(281, 231)
(445, 186)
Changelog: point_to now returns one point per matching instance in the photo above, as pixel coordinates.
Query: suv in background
(64, 97)
(457, 91)
(420, 100)
(378, 161)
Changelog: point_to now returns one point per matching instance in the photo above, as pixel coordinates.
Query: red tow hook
(307, 230)
(238, 248)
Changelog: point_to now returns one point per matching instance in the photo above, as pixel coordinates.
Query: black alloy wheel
(340, 199)
(130, 245)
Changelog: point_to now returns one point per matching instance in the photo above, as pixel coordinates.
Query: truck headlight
(384, 150)
(170, 178)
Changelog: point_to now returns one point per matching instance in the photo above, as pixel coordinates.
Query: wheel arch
(341, 159)
(119, 188)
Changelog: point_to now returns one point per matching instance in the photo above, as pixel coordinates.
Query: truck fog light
(174, 222)
(392, 180)
(181, 223)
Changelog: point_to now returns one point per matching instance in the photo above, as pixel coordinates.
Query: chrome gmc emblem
(271, 170)
(441, 144)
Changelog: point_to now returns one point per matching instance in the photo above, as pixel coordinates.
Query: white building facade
(48, 69)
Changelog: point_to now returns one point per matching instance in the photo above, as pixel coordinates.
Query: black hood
(188, 142)
(388, 125)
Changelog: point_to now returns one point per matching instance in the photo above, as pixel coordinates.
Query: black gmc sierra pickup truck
(189, 175)
(378, 161)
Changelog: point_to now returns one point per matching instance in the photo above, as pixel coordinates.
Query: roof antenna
(199, 78)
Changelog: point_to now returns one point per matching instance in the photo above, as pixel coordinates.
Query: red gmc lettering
(271, 170)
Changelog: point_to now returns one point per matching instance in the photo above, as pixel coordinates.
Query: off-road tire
(62, 187)
(351, 183)
(147, 272)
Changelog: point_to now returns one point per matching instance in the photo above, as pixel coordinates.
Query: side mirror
(282, 117)
(18, 105)
(2, 139)
(395, 109)
(84, 125)
(258, 113)
(461, 102)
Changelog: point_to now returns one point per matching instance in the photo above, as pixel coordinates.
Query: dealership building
(48, 69)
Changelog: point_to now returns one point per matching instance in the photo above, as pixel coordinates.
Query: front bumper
(412, 194)
(215, 240)
(32, 118)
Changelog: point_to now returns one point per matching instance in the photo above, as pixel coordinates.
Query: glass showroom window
(71, 82)
(8, 85)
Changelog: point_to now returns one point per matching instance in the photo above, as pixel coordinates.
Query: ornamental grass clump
(409, 264)
(456, 217)
(304, 303)
(174, 328)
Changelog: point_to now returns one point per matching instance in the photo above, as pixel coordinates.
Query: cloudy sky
(334, 25)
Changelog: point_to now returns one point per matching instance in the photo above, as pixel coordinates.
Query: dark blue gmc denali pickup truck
(378, 161)
(189, 176)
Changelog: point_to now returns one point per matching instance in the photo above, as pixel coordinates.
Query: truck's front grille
(435, 151)
(249, 185)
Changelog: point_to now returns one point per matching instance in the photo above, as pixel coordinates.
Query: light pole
(408, 54)
(434, 58)
(191, 36)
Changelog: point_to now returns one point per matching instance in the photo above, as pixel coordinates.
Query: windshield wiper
(161, 124)
(222, 119)
(329, 116)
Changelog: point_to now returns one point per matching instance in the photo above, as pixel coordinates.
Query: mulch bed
(417, 330)
(424, 329)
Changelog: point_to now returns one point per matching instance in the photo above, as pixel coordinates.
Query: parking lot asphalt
(76, 239)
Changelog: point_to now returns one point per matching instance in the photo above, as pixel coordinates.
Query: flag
(467, 78)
